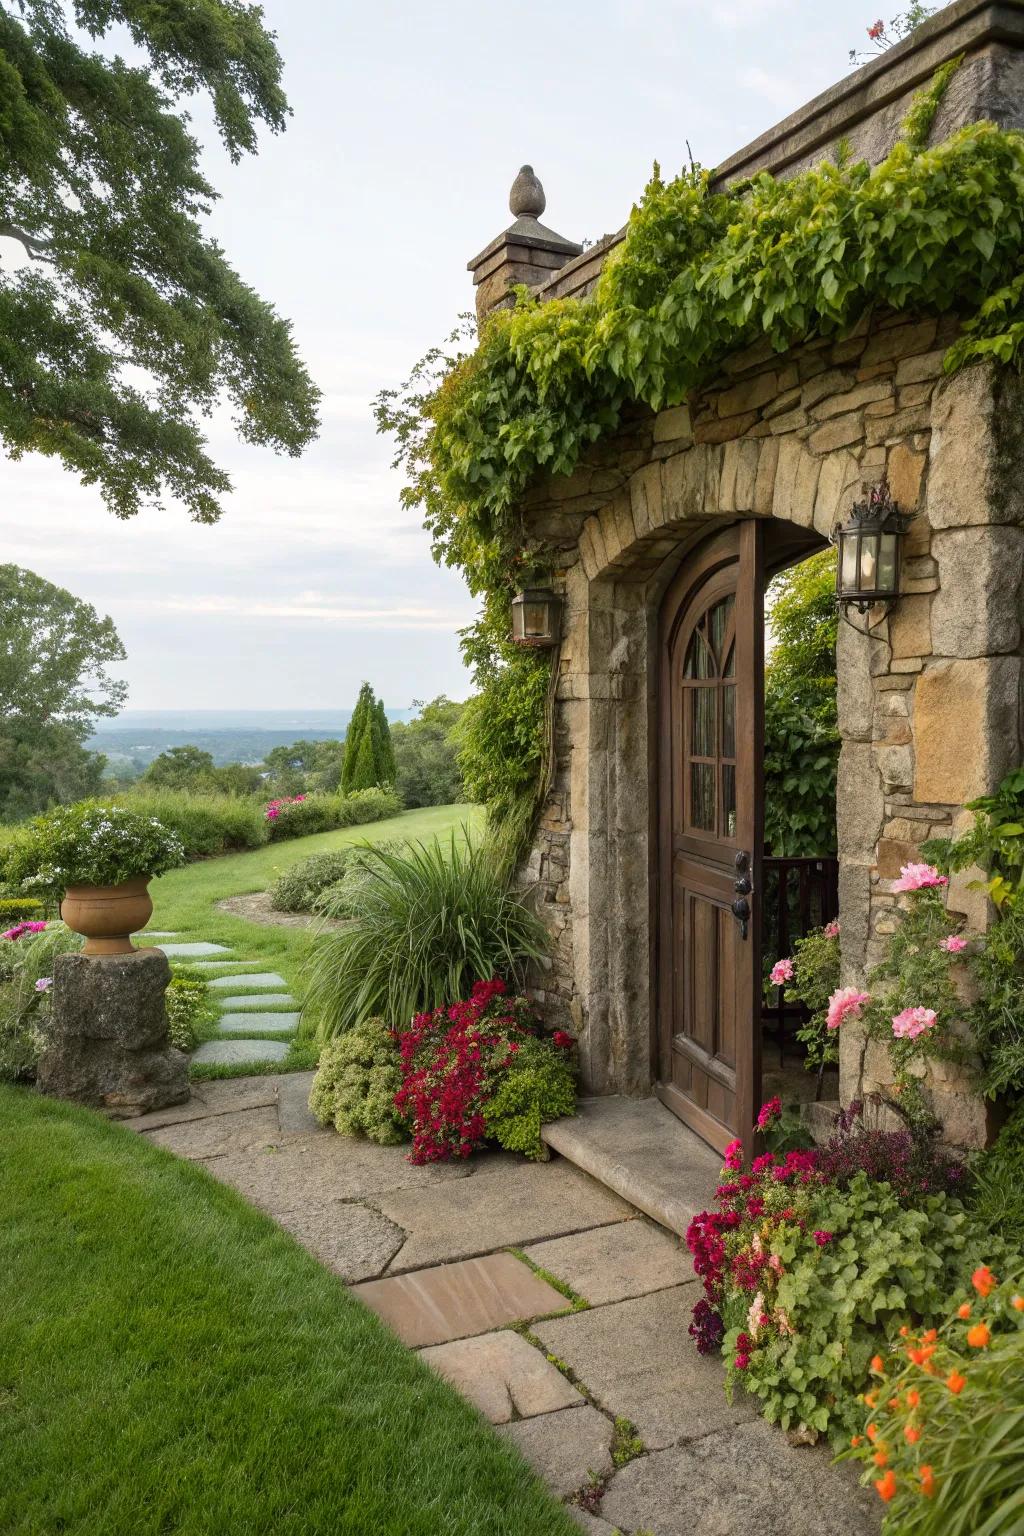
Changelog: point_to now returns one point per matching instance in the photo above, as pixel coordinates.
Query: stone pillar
(107, 1045)
(527, 252)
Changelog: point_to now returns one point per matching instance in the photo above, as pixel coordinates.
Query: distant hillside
(230, 736)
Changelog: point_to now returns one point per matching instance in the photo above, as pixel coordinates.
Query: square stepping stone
(197, 951)
(503, 1376)
(216, 965)
(231, 1052)
(267, 979)
(277, 1023)
(246, 1001)
(613, 1263)
(453, 1301)
(567, 1449)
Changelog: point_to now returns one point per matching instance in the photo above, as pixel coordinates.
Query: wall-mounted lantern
(868, 569)
(536, 617)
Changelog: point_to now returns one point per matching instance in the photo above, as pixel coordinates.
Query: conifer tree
(386, 768)
(358, 727)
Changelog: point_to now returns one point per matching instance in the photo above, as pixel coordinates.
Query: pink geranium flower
(913, 1022)
(734, 1156)
(954, 944)
(781, 971)
(845, 1003)
(918, 877)
(831, 930)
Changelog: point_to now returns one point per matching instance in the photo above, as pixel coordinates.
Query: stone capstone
(107, 1045)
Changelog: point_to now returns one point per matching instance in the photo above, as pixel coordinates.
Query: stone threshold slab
(639, 1149)
(455, 1301)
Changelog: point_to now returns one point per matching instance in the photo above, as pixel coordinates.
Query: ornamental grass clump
(90, 844)
(941, 1436)
(428, 922)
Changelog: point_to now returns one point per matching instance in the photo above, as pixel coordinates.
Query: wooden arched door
(710, 836)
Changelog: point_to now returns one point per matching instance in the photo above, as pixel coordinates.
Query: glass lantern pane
(703, 737)
(848, 570)
(868, 561)
(887, 564)
(702, 796)
(535, 620)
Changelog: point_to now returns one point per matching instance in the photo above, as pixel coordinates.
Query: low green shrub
(356, 1082)
(303, 816)
(341, 899)
(297, 888)
(364, 805)
(538, 1085)
(14, 909)
(428, 922)
(208, 824)
(943, 1427)
(189, 1006)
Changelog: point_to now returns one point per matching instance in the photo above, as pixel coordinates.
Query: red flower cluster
(452, 1060)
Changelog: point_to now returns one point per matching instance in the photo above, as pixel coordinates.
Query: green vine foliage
(816, 967)
(702, 273)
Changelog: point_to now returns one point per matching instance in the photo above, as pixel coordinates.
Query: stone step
(216, 965)
(638, 1149)
(269, 980)
(246, 1000)
(195, 951)
(232, 1052)
(275, 1023)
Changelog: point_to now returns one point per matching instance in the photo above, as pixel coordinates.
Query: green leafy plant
(815, 979)
(355, 1085)
(90, 844)
(207, 824)
(15, 908)
(360, 806)
(26, 976)
(369, 757)
(297, 888)
(189, 1007)
(428, 922)
(303, 818)
(942, 1437)
(998, 1195)
(341, 898)
(995, 842)
(537, 1086)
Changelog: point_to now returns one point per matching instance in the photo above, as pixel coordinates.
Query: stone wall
(929, 697)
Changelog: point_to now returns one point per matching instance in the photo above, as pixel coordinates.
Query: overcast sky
(410, 122)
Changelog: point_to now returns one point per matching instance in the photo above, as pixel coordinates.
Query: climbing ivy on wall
(703, 273)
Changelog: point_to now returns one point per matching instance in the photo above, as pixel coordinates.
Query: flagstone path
(551, 1303)
(253, 1003)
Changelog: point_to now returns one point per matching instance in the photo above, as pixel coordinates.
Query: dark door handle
(742, 886)
(741, 912)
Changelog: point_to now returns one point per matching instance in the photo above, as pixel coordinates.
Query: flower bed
(90, 844)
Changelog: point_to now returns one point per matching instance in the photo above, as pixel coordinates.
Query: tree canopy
(121, 322)
(369, 755)
(55, 651)
(427, 768)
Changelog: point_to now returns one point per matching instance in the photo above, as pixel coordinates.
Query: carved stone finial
(526, 198)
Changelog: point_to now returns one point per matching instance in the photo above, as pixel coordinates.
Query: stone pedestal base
(107, 1045)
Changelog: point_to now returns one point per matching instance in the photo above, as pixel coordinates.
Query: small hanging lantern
(536, 615)
(868, 570)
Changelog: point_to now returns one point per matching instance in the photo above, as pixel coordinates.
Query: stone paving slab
(592, 1524)
(276, 1023)
(614, 1263)
(238, 1131)
(198, 951)
(748, 1479)
(637, 1359)
(211, 1099)
(294, 1115)
(506, 1202)
(453, 1301)
(312, 1169)
(216, 965)
(503, 1376)
(232, 1051)
(246, 1000)
(350, 1239)
(566, 1449)
(255, 979)
(638, 1148)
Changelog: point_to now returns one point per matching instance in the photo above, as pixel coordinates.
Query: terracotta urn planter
(108, 915)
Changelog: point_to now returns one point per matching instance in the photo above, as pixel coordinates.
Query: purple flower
(44, 983)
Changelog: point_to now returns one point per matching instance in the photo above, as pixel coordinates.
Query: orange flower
(870, 1399)
(881, 1456)
(878, 1365)
(978, 1336)
(1018, 1303)
(930, 1336)
(886, 1486)
(904, 1332)
(983, 1280)
(911, 1434)
(927, 1477)
(872, 1432)
(965, 1310)
(894, 1402)
(913, 1398)
(856, 1440)
(956, 1383)
(923, 1355)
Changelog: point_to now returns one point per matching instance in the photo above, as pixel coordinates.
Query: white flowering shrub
(89, 844)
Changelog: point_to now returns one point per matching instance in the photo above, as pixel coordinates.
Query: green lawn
(173, 1364)
(184, 900)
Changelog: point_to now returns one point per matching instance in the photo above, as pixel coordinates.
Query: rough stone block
(899, 341)
(673, 424)
(566, 1449)
(860, 805)
(503, 1376)
(980, 574)
(748, 395)
(837, 433)
(767, 466)
(905, 468)
(965, 728)
(852, 399)
(107, 1044)
(962, 477)
(910, 631)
